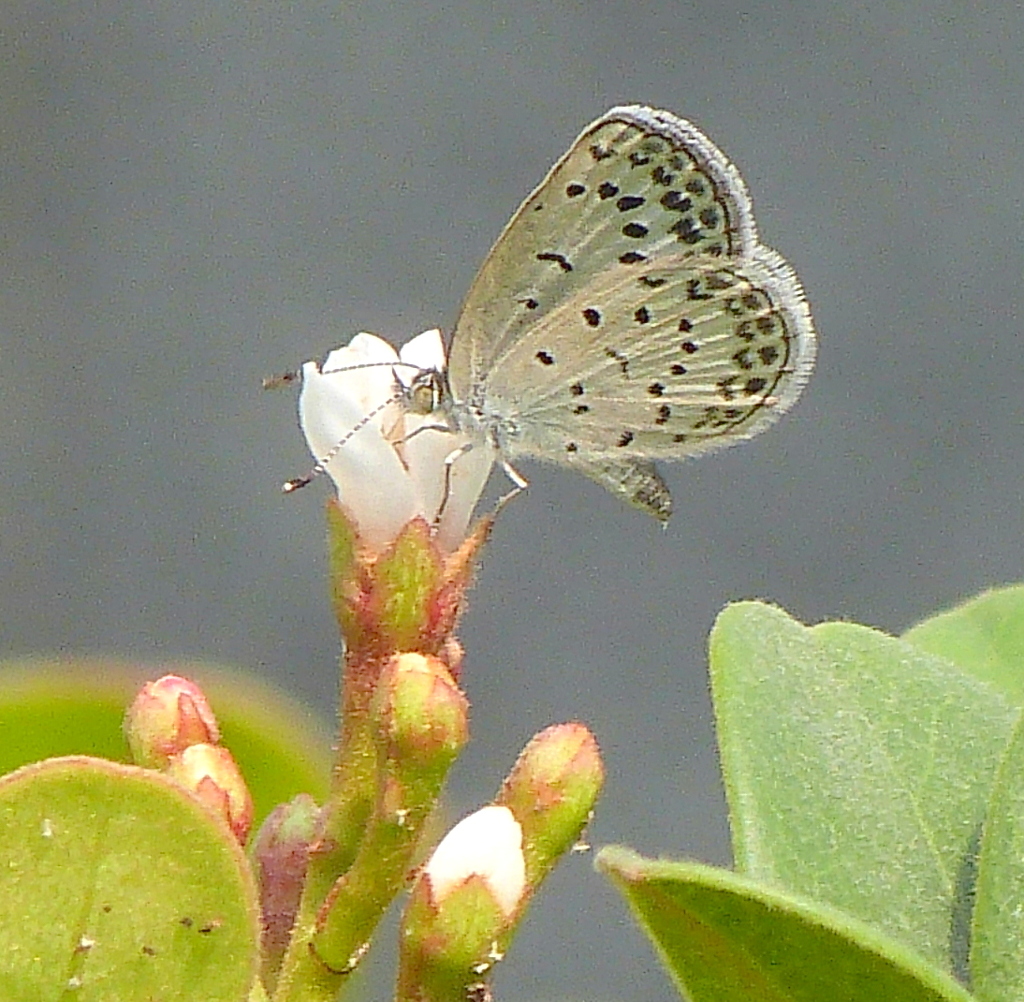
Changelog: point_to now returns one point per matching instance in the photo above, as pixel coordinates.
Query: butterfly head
(426, 392)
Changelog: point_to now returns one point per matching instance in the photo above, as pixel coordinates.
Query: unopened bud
(166, 717)
(551, 791)
(281, 853)
(419, 725)
(425, 713)
(210, 772)
(463, 908)
(487, 845)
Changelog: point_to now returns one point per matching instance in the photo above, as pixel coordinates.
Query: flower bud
(425, 713)
(210, 772)
(166, 717)
(551, 791)
(488, 845)
(280, 852)
(462, 908)
(418, 719)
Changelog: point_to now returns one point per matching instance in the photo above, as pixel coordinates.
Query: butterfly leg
(449, 462)
(519, 484)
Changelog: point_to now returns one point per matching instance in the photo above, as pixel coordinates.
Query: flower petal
(487, 844)
(345, 413)
(388, 462)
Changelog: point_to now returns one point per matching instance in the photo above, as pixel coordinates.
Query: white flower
(487, 844)
(359, 428)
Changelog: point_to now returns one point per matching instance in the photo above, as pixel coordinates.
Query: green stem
(303, 978)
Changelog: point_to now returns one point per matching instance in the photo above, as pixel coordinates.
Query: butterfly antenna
(293, 376)
(372, 365)
(320, 466)
(280, 381)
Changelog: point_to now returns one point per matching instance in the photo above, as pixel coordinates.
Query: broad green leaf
(997, 935)
(857, 769)
(984, 636)
(118, 885)
(724, 938)
(50, 708)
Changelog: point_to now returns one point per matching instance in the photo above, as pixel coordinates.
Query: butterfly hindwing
(690, 354)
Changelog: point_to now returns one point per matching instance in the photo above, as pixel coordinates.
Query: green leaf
(724, 938)
(984, 636)
(117, 884)
(857, 768)
(997, 935)
(50, 708)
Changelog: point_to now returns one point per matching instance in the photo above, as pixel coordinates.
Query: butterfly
(627, 313)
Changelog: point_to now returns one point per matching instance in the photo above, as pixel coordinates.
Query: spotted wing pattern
(629, 313)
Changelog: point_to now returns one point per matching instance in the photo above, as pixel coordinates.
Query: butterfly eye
(426, 392)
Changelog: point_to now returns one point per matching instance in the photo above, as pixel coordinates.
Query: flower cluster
(389, 463)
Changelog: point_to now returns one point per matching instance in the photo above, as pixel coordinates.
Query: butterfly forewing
(636, 185)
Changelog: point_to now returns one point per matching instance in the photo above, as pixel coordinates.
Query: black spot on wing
(559, 259)
(676, 201)
(686, 231)
(620, 358)
(661, 176)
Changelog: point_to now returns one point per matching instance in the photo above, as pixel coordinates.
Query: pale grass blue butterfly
(627, 313)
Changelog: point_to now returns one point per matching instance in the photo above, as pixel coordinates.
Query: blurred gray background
(195, 195)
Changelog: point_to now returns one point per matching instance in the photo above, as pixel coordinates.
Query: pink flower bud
(210, 772)
(166, 717)
(280, 852)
